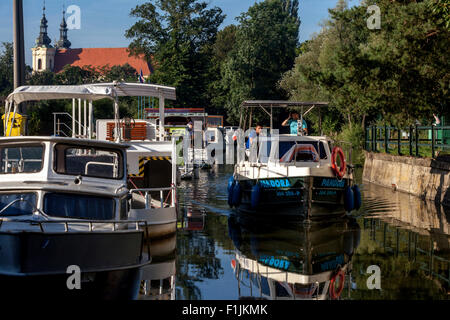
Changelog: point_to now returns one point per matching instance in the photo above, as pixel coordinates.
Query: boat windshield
(21, 159)
(90, 162)
(24, 204)
(77, 206)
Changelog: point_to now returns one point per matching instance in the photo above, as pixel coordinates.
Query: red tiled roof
(100, 57)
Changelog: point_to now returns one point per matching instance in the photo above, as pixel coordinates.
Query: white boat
(306, 262)
(294, 176)
(152, 175)
(63, 203)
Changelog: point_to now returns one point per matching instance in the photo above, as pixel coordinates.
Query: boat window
(21, 159)
(24, 205)
(67, 205)
(322, 152)
(90, 162)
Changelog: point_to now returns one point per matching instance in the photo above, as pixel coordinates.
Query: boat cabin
(62, 178)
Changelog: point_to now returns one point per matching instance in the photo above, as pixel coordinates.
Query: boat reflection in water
(158, 278)
(308, 261)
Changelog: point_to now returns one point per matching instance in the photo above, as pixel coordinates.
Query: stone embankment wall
(422, 177)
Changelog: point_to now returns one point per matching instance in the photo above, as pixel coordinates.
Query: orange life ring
(339, 171)
(335, 293)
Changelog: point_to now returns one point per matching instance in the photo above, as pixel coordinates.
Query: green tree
(265, 48)
(6, 69)
(398, 73)
(41, 78)
(179, 35)
(217, 92)
(74, 75)
(125, 73)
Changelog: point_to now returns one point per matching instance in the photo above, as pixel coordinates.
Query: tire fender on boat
(357, 196)
(349, 199)
(231, 182)
(230, 188)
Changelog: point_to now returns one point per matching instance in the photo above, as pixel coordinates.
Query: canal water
(220, 254)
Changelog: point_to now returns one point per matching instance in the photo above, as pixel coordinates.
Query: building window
(39, 64)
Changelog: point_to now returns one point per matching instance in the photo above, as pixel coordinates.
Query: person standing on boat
(254, 134)
(190, 129)
(292, 123)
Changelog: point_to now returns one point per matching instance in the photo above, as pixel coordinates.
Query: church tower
(63, 42)
(43, 52)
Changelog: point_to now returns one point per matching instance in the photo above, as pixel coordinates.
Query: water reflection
(223, 255)
(158, 278)
(282, 262)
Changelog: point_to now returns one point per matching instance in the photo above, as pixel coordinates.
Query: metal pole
(91, 118)
(417, 141)
(79, 117)
(374, 137)
(85, 119)
(161, 117)
(399, 145)
(386, 146)
(74, 106)
(410, 140)
(18, 47)
(432, 141)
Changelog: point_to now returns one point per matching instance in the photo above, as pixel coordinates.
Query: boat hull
(38, 253)
(311, 197)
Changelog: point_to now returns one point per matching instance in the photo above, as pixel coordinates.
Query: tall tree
(266, 42)
(217, 92)
(399, 72)
(6, 69)
(179, 35)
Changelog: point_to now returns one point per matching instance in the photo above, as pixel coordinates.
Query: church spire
(43, 40)
(63, 42)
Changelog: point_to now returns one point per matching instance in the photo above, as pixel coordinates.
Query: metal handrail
(33, 206)
(148, 197)
(70, 116)
(90, 223)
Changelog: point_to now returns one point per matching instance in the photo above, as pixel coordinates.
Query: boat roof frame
(264, 104)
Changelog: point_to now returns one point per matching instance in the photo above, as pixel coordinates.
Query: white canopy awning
(94, 91)
(36, 93)
(140, 90)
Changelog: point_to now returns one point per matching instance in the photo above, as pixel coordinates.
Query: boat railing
(146, 193)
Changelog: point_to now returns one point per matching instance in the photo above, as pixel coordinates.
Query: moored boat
(294, 176)
(63, 207)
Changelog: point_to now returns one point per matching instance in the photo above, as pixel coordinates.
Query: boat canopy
(94, 91)
(88, 92)
(268, 105)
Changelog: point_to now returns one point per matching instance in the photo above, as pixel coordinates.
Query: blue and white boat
(300, 177)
